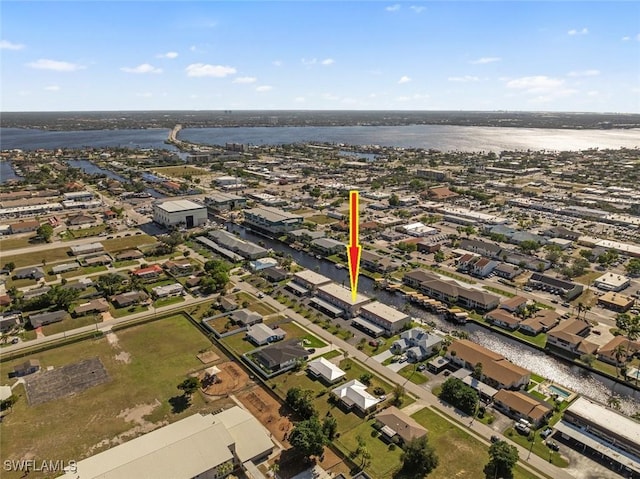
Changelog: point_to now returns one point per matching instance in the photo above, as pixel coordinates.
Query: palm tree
(619, 352)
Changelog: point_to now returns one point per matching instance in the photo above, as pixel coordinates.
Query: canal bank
(590, 383)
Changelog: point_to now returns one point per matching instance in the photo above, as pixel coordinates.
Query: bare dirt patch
(268, 411)
(230, 378)
(113, 340)
(207, 357)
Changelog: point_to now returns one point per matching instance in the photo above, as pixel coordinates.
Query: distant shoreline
(119, 120)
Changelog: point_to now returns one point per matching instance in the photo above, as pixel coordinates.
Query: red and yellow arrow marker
(354, 249)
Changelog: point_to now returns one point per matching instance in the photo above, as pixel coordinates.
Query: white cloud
(263, 88)
(193, 48)
(309, 62)
(169, 55)
(404, 79)
(245, 80)
(7, 45)
(328, 61)
(573, 31)
(626, 38)
(146, 94)
(584, 73)
(45, 64)
(535, 83)
(485, 60)
(393, 8)
(277, 63)
(638, 37)
(299, 99)
(593, 93)
(417, 9)
(466, 78)
(330, 96)
(52, 88)
(143, 68)
(206, 70)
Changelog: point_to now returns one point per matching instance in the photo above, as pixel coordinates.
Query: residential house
(515, 304)
(377, 263)
(79, 220)
(327, 246)
(567, 289)
(353, 394)
(99, 305)
(507, 271)
(42, 319)
(394, 423)
(503, 319)
(129, 255)
(179, 267)
(570, 336)
(33, 272)
(97, 260)
(562, 232)
(521, 405)
(476, 265)
(261, 334)
(491, 250)
(325, 370)
(245, 317)
(497, 371)
(168, 290)
(619, 346)
(227, 304)
(24, 226)
(9, 320)
(128, 299)
(63, 268)
(274, 274)
(541, 322)
(148, 272)
(388, 318)
(281, 356)
(29, 367)
(417, 343)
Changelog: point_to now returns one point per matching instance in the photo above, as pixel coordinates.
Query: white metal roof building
(390, 319)
(341, 297)
(310, 279)
(180, 213)
(86, 248)
(325, 369)
(354, 394)
(612, 282)
(185, 449)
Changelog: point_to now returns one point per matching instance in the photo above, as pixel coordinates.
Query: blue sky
(445, 55)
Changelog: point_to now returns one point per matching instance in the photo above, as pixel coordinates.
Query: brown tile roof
(403, 425)
(608, 350)
(526, 405)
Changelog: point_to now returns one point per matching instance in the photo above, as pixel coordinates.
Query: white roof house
(262, 334)
(5, 392)
(354, 394)
(325, 369)
(182, 450)
(612, 282)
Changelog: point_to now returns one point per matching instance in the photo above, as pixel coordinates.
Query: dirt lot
(231, 378)
(268, 411)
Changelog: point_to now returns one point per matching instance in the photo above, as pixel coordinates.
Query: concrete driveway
(395, 367)
(382, 356)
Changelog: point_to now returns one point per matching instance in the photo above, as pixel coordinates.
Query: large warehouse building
(181, 213)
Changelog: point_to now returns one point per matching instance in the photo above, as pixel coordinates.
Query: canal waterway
(561, 372)
(92, 169)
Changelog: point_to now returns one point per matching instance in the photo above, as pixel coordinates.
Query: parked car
(422, 367)
(544, 434)
(553, 445)
(494, 438)
(596, 332)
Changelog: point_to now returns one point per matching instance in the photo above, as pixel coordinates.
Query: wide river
(444, 138)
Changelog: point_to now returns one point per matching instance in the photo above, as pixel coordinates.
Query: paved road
(424, 395)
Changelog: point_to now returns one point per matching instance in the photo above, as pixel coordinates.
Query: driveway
(384, 355)
(395, 367)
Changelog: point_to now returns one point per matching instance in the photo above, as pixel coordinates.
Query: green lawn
(238, 343)
(69, 428)
(127, 242)
(460, 455)
(180, 171)
(121, 312)
(83, 271)
(203, 310)
(354, 370)
(499, 291)
(85, 232)
(539, 447)
(70, 323)
(36, 258)
(122, 264)
(537, 378)
(412, 375)
(383, 459)
(311, 341)
(539, 340)
(254, 304)
(331, 354)
(16, 243)
(158, 303)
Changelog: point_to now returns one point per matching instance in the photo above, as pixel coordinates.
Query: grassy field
(158, 303)
(68, 324)
(72, 428)
(127, 242)
(412, 375)
(122, 264)
(180, 171)
(16, 243)
(254, 304)
(588, 278)
(85, 232)
(121, 312)
(87, 270)
(460, 455)
(383, 459)
(35, 259)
